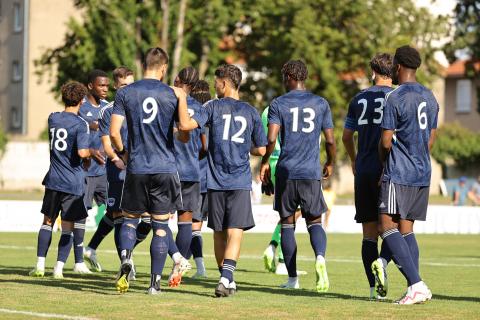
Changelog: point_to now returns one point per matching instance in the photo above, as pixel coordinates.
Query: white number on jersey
(237, 137)
(422, 116)
(152, 111)
(59, 137)
(308, 116)
(379, 110)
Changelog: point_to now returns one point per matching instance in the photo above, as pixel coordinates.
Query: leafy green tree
(3, 141)
(458, 145)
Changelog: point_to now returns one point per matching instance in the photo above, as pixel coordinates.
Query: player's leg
(231, 242)
(184, 235)
(144, 228)
(117, 222)
(370, 252)
(158, 250)
(269, 253)
(281, 268)
(406, 229)
(50, 210)
(196, 246)
(72, 209)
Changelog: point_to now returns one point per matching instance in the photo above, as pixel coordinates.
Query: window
(17, 18)
(464, 96)
(16, 71)
(15, 119)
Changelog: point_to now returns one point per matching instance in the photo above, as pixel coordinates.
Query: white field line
(44, 315)
(426, 262)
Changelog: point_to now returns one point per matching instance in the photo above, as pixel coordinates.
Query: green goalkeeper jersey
(276, 152)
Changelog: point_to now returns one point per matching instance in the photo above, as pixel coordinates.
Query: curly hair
(188, 76)
(72, 93)
(201, 92)
(408, 57)
(295, 70)
(230, 72)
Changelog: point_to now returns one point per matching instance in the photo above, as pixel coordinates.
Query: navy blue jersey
(150, 109)
(302, 117)
(233, 127)
(365, 114)
(203, 164)
(411, 111)
(187, 153)
(90, 113)
(68, 133)
(113, 173)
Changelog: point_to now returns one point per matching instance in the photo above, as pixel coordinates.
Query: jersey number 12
(237, 137)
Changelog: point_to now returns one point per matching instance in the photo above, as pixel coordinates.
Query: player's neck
(73, 110)
(383, 82)
(230, 93)
(407, 77)
(93, 101)
(297, 86)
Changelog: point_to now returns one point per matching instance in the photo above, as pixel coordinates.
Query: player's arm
(185, 123)
(204, 149)
(431, 141)
(107, 146)
(349, 143)
(385, 144)
(331, 149)
(84, 153)
(115, 136)
(180, 135)
(273, 130)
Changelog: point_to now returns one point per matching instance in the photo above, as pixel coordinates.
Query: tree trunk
(179, 44)
(203, 66)
(165, 24)
(138, 41)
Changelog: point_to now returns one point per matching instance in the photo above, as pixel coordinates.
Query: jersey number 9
(150, 111)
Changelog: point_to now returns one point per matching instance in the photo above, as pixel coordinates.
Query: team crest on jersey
(111, 202)
(89, 114)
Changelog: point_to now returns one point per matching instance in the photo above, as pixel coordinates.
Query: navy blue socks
(289, 248)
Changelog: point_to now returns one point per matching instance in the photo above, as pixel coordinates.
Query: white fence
(24, 216)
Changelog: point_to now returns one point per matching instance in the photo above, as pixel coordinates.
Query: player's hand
(94, 125)
(265, 173)
(98, 156)
(118, 162)
(354, 171)
(381, 178)
(327, 171)
(86, 163)
(179, 92)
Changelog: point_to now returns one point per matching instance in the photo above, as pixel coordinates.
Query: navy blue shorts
(152, 193)
(190, 196)
(367, 191)
(114, 196)
(70, 206)
(95, 189)
(290, 194)
(202, 213)
(409, 202)
(230, 210)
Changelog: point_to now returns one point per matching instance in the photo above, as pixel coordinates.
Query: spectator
(460, 192)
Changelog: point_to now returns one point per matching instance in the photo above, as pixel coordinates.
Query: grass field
(450, 264)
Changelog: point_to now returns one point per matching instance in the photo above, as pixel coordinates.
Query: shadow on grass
(454, 298)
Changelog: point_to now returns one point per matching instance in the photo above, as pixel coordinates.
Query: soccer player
(408, 132)
(64, 181)
(235, 130)
(151, 183)
(300, 117)
(96, 181)
(122, 76)
(187, 155)
(201, 93)
(365, 113)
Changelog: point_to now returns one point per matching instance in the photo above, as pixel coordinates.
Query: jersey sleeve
(274, 113)
(83, 135)
(327, 122)
(119, 104)
(204, 115)
(104, 123)
(434, 122)
(389, 121)
(259, 137)
(350, 121)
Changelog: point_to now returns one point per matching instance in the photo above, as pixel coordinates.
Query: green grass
(450, 265)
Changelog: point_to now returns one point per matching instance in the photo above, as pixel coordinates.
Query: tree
(3, 141)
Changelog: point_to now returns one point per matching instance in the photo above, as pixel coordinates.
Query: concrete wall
(470, 120)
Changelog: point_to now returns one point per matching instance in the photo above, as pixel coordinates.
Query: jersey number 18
(59, 137)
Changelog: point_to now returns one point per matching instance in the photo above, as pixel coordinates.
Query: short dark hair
(121, 73)
(154, 58)
(94, 74)
(72, 93)
(188, 76)
(201, 92)
(408, 57)
(382, 63)
(230, 72)
(295, 70)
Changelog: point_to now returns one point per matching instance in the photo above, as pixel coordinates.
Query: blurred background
(44, 43)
